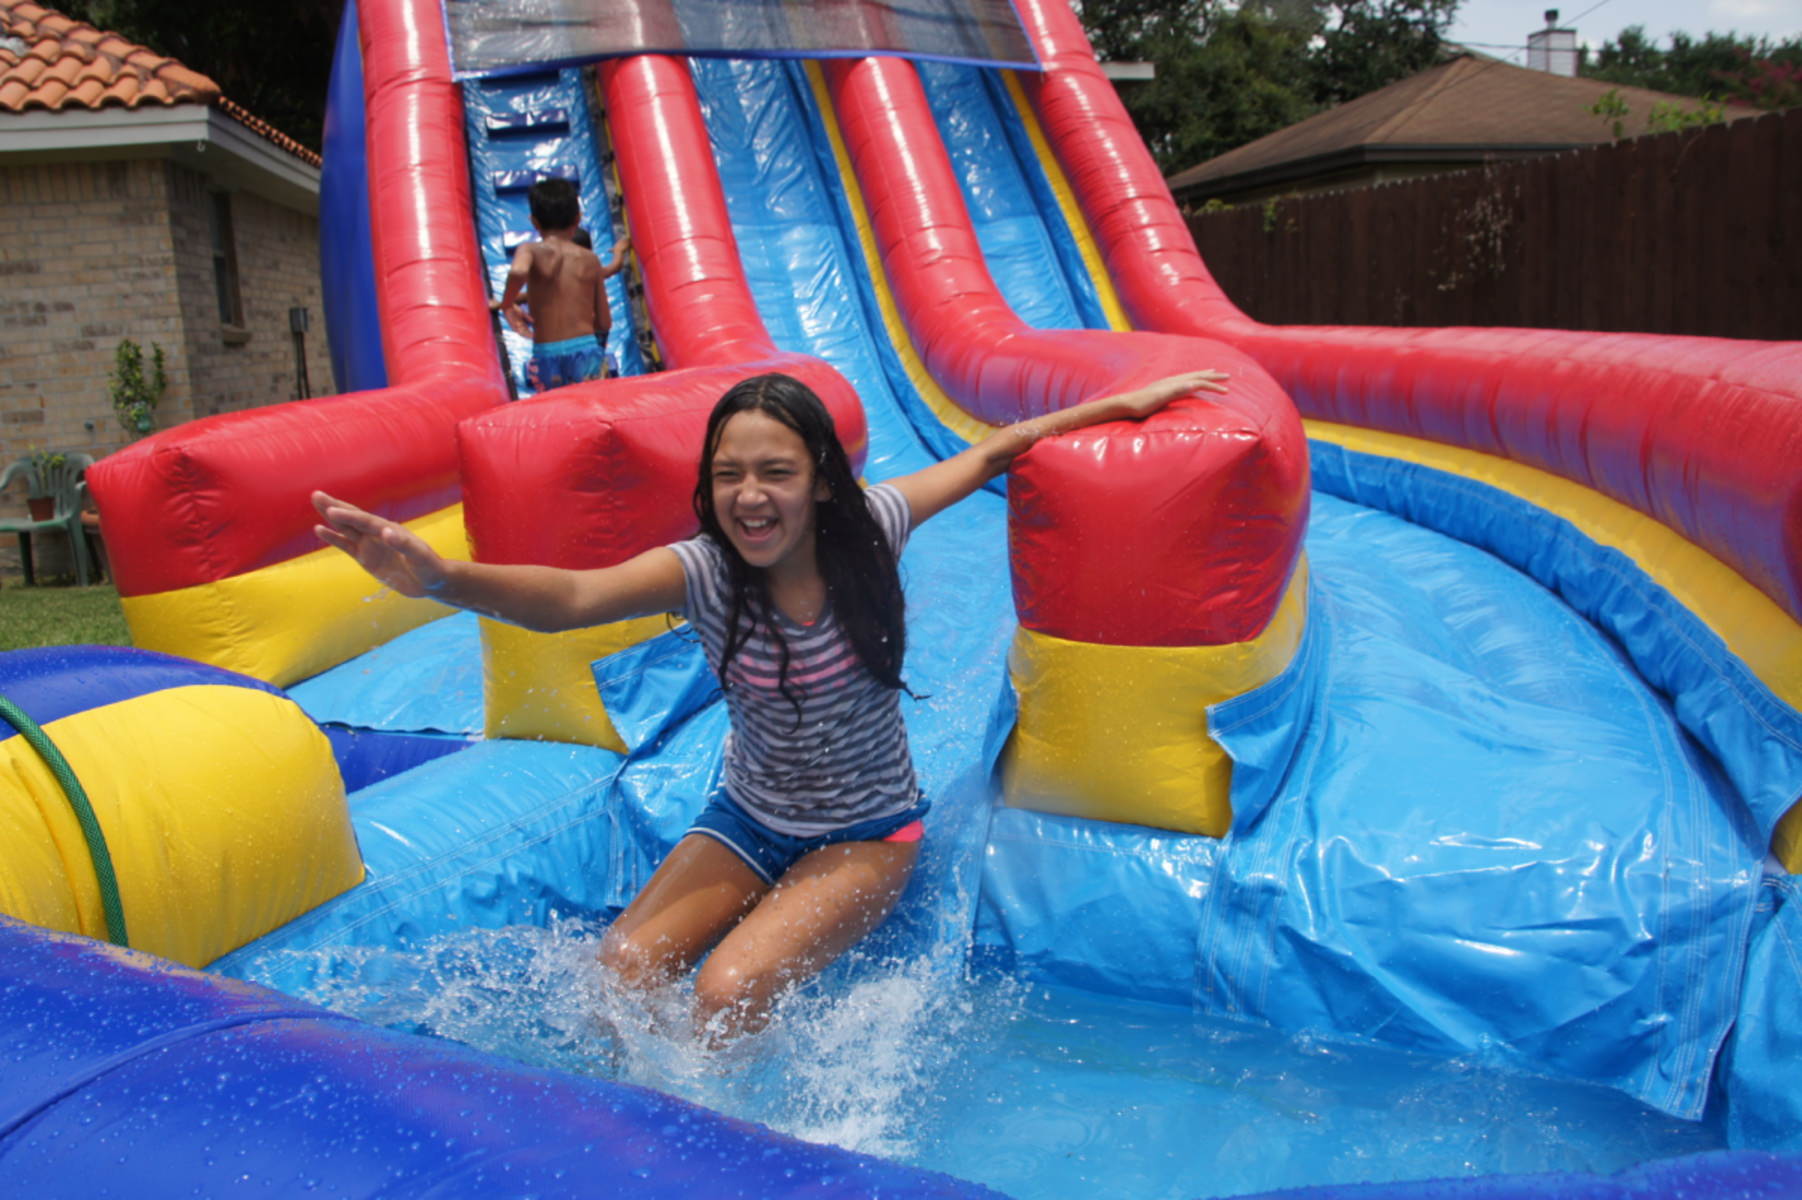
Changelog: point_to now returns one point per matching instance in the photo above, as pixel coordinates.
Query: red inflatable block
(594, 474)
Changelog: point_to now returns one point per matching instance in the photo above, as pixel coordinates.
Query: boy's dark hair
(555, 204)
(863, 581)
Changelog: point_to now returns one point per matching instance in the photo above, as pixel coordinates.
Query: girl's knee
(731, 999)
(720, 989)
(632, 962)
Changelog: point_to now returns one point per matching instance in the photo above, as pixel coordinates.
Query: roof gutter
(1360, 156)
(196, 135)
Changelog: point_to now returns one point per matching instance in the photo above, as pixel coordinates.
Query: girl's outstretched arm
(936, 488)
(542, 598)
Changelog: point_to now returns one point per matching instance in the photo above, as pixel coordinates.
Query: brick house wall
(94, 252)
(278, 269)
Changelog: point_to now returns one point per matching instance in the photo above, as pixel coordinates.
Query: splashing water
(857, 1060)
(1032, 1091)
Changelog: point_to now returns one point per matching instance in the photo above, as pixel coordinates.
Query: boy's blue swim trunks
(573, 360)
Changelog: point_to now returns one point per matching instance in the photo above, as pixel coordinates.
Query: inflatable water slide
(1433, 696)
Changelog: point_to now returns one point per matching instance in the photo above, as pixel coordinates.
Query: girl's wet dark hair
(863, 581)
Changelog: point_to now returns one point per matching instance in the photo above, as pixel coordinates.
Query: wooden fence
(1696, 232)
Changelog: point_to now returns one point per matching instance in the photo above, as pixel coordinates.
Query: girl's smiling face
(764, 491)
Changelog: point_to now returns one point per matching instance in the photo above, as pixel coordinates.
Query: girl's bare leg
(697, 894)
(824, 904)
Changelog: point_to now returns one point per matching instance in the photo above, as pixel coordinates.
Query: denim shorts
(770, 854)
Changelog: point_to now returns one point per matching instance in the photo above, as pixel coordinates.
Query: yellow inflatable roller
(161, 803)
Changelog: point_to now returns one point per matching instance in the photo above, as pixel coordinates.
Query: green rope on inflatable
(84, 813)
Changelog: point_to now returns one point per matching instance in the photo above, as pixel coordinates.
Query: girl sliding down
(793, 587)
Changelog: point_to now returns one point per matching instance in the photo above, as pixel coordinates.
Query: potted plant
(135, 397)
(38, 499)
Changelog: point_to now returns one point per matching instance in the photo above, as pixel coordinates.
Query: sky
(1500, 27)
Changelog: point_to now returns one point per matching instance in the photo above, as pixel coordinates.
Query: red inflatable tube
(227, 494)
(435, 319)
(1703, 434)
(1179, 531)
(695, 288)
(594, 474)
(1150, 254)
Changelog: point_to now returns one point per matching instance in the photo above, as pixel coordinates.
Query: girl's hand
(1142, 402)
(391, 552)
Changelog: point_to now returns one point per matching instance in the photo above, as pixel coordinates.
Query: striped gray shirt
(847, 760)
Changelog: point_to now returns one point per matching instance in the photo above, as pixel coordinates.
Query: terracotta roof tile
(178, 78)
(70, 64)
(264, 129)
(85, 65)
(63, 70)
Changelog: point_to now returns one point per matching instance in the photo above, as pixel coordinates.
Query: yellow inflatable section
(541, 685)
(1120, 733)
(210, 849)
(258, 624)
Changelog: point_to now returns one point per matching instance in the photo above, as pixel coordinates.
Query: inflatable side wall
(129, 1075)
(346, 258)
(1677, 454)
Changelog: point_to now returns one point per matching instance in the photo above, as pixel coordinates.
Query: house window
(225, 262)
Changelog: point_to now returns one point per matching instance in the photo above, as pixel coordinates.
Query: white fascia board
(196, 135)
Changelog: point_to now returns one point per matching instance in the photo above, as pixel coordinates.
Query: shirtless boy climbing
(565, 287)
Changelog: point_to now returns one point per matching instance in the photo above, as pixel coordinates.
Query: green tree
(1369, 44)
(1717, 66)
(1246, 79)
(274, 59)
(1230, 73)
(1120, 30)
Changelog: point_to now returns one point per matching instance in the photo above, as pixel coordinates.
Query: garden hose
(84, 814)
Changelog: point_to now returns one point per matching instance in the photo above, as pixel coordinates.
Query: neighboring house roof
(50, 62)
(1467, 109)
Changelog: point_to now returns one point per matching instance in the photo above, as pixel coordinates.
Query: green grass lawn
(60, 616)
